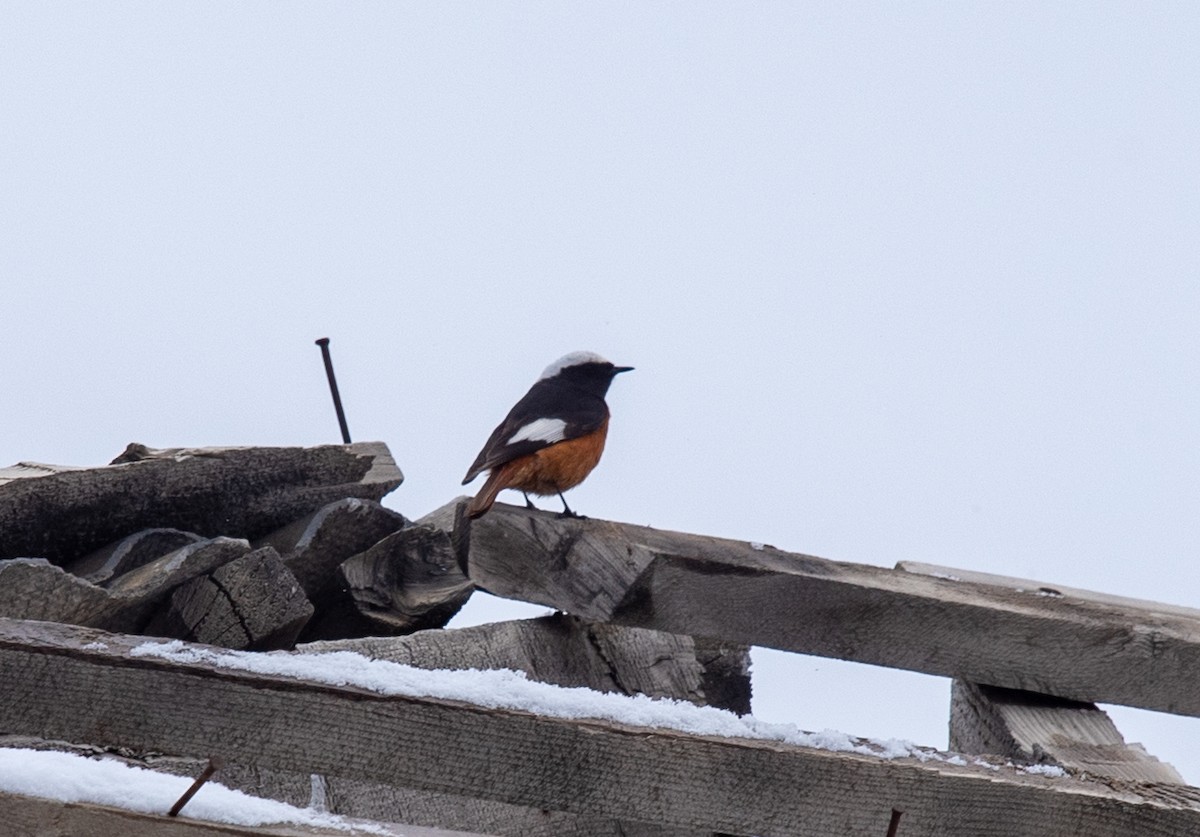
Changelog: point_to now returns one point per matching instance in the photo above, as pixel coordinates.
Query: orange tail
(487, 495)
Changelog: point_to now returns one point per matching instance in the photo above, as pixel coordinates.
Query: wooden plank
(1042, 729)
(758, 595)
(62, 514)
(376, 801)
(1033, 728)
(29, 816)
(740, 786)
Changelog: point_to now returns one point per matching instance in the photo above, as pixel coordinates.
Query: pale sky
(901, 281)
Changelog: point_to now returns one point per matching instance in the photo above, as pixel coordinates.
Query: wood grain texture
(406, 582)
(62, 514)
(137, 594)
(1043, 589)
(376, 801)
(253, 602)
(593, 768)
(681, 583)
(1036, 728)
(372, 800)
(33, 588)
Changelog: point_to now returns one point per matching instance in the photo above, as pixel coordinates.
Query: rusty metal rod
(337, 399)
(213, 764)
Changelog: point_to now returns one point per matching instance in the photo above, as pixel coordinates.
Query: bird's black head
(584, 370)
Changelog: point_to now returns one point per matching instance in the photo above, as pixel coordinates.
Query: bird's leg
(566, 512)
(529, 503)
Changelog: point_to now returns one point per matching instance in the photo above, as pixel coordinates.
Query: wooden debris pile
(246, 548)
(263, 548)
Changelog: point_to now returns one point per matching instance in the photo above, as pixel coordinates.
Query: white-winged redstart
(552, 439)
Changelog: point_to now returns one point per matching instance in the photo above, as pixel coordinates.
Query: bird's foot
(566, 512)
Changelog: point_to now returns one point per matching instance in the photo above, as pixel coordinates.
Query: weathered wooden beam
(31, 816)
(759, 595)
(741, 786)
(1041, 729)
(376, 801)
(1033, 728)
(63, 514)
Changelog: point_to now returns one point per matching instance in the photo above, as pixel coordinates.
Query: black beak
(617, 370)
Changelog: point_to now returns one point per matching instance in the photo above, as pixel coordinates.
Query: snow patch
(67, 777)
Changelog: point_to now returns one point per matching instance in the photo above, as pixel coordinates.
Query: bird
(552, 438)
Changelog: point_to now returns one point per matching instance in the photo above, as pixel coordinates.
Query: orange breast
(555, 468)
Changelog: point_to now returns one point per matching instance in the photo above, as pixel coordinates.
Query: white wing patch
(548, 430)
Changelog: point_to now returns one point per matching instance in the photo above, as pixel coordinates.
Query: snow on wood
(566, 651)
(38, 816)
(66, 777)
(682, 583)
(189, 702)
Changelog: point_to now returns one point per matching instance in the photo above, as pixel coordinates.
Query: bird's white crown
(573, 359)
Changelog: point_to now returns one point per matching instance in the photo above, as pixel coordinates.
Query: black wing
(550, 412)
